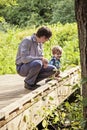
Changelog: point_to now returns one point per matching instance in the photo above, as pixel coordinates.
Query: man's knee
(52, 69)
(37, 64)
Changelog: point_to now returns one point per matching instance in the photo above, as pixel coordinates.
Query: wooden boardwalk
(21, 109)
(11, 89)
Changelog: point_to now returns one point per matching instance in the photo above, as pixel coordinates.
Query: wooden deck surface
(11, 89)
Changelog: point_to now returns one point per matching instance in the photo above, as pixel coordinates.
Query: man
(30, 61)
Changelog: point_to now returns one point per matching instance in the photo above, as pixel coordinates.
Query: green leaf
(51, 98)
(44, 123)
(56, 119)
(63, 114)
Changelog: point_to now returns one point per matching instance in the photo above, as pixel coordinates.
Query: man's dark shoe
(31, 87)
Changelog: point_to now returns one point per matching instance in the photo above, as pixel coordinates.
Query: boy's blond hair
(56, 49)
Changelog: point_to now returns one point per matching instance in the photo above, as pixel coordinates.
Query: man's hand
(45, 62)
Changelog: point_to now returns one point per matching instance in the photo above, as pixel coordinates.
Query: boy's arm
(52, 62)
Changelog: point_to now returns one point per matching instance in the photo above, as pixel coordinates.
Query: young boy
(57, 53)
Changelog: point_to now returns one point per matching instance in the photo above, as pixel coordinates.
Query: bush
(37, 12)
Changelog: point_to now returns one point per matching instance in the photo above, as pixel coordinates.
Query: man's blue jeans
(34, 71)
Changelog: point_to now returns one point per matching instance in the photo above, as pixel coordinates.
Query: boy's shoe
(31, 87)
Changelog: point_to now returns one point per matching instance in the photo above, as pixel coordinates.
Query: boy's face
(58, 55)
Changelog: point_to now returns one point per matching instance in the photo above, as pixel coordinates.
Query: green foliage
(37, 12)
(28, 13)
(7, 51)
(66, 117)
(7, 2)
(63, 11)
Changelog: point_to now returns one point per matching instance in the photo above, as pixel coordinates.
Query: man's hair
(44, 31)
(56, 49)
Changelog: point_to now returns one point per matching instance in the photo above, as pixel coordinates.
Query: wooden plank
(4, 112)
(11, 89)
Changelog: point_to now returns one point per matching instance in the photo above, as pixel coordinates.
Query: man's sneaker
(31, 87)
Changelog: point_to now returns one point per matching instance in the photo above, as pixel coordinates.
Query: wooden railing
(29, 110)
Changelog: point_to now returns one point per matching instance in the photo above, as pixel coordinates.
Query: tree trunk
(81, 17)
